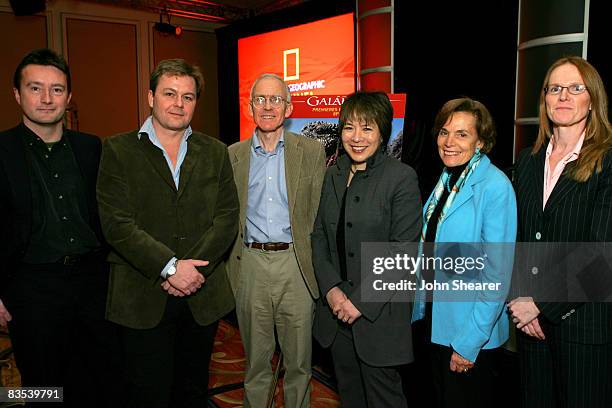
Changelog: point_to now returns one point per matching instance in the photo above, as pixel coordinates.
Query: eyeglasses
(574, 89)
(275, 101)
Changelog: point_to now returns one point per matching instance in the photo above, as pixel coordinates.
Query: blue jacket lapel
(467, 191)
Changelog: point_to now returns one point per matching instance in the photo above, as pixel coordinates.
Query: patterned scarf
(439, 189)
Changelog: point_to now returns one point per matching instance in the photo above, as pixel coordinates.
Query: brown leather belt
(269, 246)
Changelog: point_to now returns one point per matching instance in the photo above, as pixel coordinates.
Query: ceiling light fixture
(167, 28)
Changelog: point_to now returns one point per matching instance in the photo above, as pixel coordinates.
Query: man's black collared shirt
(59, 206)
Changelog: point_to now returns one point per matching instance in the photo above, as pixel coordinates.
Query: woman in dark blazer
(473, 203)
(366, 197)
(564, 193)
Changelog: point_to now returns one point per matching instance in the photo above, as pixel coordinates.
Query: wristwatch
(172, 269)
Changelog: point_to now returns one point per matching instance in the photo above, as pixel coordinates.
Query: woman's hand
(459, 364)
(335, 297)
(533, 329)
(348, 313)
(342, 306)
(523, 311)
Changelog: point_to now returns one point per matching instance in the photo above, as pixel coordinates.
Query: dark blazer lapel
(563, 187)
(17, 169)
(339, 182)
(88, 160)
(157, 160)
(19, 176)
(536, 167)
(190, 162)
(339, 176)
(82, 155)
(293, 167)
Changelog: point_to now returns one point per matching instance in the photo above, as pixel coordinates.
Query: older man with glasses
(278, 175)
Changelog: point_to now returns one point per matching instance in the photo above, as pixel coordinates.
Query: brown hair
(178, 67)
(485, 126)
(46, 57)
(597, 133)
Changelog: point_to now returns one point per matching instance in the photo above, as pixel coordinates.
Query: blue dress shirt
(148, 129)
(267, 217)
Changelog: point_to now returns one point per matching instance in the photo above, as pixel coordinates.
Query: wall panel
(103, 58)
(19, 36)
(199, 48)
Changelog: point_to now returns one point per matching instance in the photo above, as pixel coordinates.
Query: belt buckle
(69, 260)
(276, 246)
(272, 246)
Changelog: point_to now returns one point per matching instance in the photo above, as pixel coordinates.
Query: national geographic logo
(292, 54)
(291, 58)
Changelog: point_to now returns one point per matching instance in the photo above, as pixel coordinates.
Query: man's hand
(459, 364)
(523, 311)
(335, 297)
(187, 279)
(534, 330)
(347, 312)
(5, 316)
(171, 289)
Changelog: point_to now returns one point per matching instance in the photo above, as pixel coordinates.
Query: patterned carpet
(226, 373)
(9, 375)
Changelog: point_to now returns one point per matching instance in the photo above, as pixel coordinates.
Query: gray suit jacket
(383, 204)
(304, 171)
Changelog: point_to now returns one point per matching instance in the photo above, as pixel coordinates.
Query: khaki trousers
(272, 293)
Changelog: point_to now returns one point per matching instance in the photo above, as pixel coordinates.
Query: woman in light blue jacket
(473, 202)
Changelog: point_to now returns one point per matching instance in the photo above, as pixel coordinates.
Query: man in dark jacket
(169, 210)
(52, 266)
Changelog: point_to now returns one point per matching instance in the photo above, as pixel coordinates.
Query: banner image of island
(316, 117)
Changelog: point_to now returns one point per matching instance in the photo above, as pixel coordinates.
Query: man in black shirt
(53, 273)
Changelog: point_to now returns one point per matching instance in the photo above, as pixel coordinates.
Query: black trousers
(59, 334)
(361, 385)
(431, 383)
(478, 387)
(167, 366)
(561, 374)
